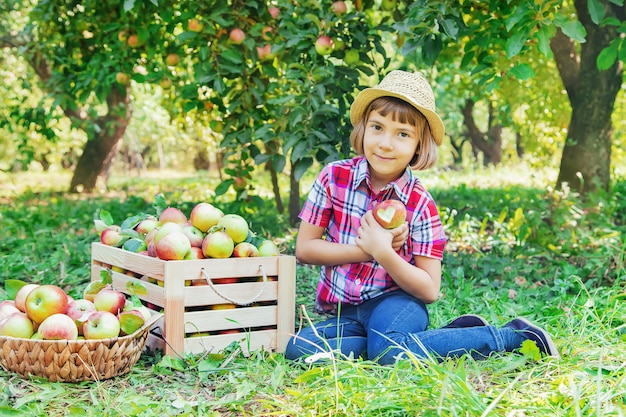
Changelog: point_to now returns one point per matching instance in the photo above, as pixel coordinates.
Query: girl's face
(389, 147)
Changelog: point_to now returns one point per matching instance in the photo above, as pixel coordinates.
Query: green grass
(517, 247)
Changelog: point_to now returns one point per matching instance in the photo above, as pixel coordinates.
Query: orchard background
(106, 104)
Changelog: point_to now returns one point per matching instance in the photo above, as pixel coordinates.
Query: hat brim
(365, 97)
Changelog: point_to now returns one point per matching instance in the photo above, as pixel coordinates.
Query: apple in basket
(79, 311)
(22, 293)
(58, 327)
(101, 325)
(44, 301)
(390, 213)
(7, 308)
(17, 325)
(109, 299)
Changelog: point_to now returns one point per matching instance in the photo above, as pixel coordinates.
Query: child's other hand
(400, 235)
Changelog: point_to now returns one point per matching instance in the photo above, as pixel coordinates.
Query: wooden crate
(257, 309)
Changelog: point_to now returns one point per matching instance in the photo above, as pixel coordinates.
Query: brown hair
(401, 111)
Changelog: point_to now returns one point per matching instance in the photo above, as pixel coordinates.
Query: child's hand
(372, 237)
(400, 235)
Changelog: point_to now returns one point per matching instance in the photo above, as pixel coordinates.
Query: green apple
(101, 325)
(324, 45)
(205, 215)
(268, 248)
(352, 57)
(218, 244)
(235, 225)
(17, 325)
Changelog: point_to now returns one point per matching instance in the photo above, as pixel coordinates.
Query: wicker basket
(74, 360)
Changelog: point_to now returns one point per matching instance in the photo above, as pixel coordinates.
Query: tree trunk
(294, 198)
(586, 160)
(100, 150)
(490, 143)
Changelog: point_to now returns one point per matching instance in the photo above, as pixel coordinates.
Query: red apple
(17, 325)
(195, 253)
(109, 299)
(172, 214)
(195, 25)
(111, 237)
(274, 12)
(194, 235)
(237, 36)
(58, 327)
(8, 307)
(245, 250)
(174, 246)
(146, 226)
(79, 311)
(265, 52)
(218, 245)
(390, 213)
(172, 60)
(45, 301)
(165, 230)
(133, 41)
(339, 7)
(204, 216)
(165, 83)
(236, 227)
(324, 45)
(101, 325)
(268, 248)
(266, 33)
(122, 78)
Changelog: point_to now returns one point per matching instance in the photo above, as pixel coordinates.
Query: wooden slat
(286, 300)
(236, 318)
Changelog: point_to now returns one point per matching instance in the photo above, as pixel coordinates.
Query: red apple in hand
(390, 213)
(58, 327)
(109, 300)
(101, 325)
(45, 301)
(17, 325)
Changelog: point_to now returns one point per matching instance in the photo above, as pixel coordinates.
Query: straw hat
(408, 86)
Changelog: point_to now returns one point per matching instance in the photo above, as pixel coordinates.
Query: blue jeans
(385, 328)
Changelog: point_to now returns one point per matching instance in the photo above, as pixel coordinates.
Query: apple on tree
(274, 12)
(237, 36)
(390, 213)
(324, 45)
(45, 301)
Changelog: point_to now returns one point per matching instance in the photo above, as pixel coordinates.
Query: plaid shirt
(338, 199)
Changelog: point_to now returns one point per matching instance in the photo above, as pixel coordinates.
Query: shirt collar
(401, 186)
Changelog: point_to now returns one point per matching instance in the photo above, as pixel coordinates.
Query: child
(376, 283)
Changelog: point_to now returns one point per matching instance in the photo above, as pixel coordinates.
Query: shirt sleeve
(317, 208)
(427, 233)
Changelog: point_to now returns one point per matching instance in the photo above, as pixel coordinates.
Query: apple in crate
(204, 216)
(218, 245)
(194, 235)
(17, 325)
(109, 299)
(172, 214)
(58, 327)
(235, 225)
(268, 248)
(165, 230)
(79, 311)
(245, 250)
(146, 226)
(101, 325)
(44, 301)
(390, 213)
(22, 293)
(174, 246)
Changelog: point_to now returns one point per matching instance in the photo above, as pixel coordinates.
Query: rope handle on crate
(208, 279)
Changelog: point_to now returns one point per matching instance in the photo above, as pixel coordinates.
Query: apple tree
(492, 40)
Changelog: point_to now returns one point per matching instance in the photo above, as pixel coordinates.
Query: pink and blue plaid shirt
(338, 199)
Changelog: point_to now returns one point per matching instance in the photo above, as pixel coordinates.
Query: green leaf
(105, 276)
(596, 10)
(573, 29)
(12, 286)
(136, 287)
(159, 204)
(543, 38)
(135, 245)
(522, 72)
(106, 217)
(530, 350)
(515, 43)
(608, 55)
(128, 5)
